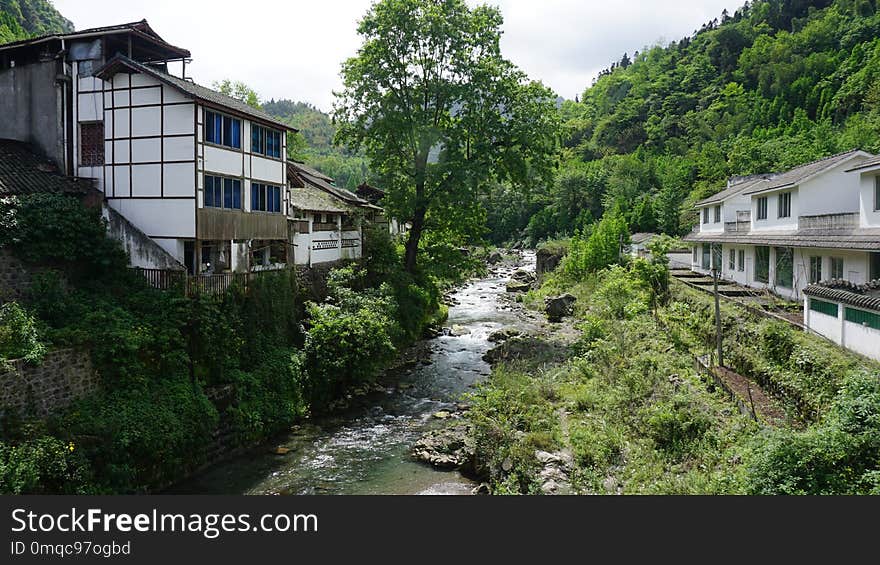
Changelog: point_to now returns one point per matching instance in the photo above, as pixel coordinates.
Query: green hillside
(20, 19)
(776, 84)
(316, 142)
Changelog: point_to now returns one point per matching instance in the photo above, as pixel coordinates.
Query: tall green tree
(441, 114)
(240, 91)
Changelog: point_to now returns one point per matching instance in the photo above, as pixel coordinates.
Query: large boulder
(518, 286)
(547, 259)
(494, 258)
(558, 307)
(522, 275)
(447, 448)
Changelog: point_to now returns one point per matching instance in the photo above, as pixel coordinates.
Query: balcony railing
(829, 221)
(216, 284)
(737, 227)
(325, 227)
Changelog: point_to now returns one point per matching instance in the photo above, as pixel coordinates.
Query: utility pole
(717, 313)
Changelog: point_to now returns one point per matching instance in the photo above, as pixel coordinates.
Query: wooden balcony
(225, 225)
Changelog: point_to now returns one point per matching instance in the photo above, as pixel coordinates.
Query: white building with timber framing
(326, 221)
(203, 175)
(811, 233)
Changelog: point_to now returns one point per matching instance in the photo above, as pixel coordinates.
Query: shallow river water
(366, 450)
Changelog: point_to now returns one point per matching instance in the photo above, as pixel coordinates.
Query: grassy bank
(626, 404)
(159, 353)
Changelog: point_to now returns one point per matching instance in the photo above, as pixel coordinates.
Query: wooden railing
(737, 227)
(324, 227)
(216, 284)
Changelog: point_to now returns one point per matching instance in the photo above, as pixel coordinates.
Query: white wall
(833, 192)
(823, 324)
(773, 222)
(712, 226)
(862, 339)
(852, 336)
(868, 217)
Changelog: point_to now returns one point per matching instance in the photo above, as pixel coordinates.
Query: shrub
(600, 250)
(44, 465)
(777, 342)
(18, 334)
(676, 425)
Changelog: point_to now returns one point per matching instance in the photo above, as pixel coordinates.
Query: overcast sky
(293, 48)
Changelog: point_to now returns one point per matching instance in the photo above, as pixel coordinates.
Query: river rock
(447, 448)
(458, 331)
(558, 307)
(503, 334)
(494, 257)
(518, 286)
(522, 275)
(442, 415)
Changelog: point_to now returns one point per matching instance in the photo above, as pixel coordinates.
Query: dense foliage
(175, 367)
(20, 19)
(774, 85)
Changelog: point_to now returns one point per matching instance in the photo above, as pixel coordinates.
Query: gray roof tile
(25, 171)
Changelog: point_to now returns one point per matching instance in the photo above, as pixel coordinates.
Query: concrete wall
(773, 222)
(142, 251)
(855, 337)
(37, 391)
(31, 108)
(833, 192)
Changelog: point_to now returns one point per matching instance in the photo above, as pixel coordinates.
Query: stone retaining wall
(37, 391)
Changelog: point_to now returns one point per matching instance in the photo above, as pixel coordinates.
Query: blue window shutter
(255, 138)
(236, 194)
(277, 192)
(209, 191)
(236, 134)
(255, 189)
(227, 193)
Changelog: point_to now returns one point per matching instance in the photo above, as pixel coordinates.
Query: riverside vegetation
(157, 352)
(626, 405)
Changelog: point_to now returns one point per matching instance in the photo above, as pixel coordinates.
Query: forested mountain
(776, 84)
(314, 143)
(20, 19)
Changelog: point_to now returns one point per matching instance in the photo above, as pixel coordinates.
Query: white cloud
(294, 49)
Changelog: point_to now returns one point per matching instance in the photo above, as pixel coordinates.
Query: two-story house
(814, 226)
(202, 174)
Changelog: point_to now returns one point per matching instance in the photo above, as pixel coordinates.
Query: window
(91, 144)
(827, 308)
(222, 192)
(731, 259)
(874, 267)
(741, 260)
(762, 264)
(707, 254)
(837, 268)
(784, 267)
(784, 209)
(877, 193)
(696, 257)
(868, 319)
(717, 214)
(815, 270)
(265, 197)
(222, 130)
(762, 208)
(265, 141)
(705, 215)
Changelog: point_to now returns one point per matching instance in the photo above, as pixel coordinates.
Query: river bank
(365, 448)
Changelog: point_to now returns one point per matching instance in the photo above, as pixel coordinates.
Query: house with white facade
(813, 227)
(203, 175)
(326, 221)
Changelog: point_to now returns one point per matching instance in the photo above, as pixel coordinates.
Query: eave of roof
(869, 164)
(132, 27)
(805, 172)
(857, 299)
(730, 192)
(313, 199)
(193, 90)
(863, 239)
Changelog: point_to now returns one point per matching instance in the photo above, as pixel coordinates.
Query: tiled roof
(191, 89)
(319, 181)
(642, 237)
(866, 239)
(860, 296)
(734, 189)
(25, 171)
(873, 162)
(300, 167)
(802, 173)
(141, 28)
(314, 199)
